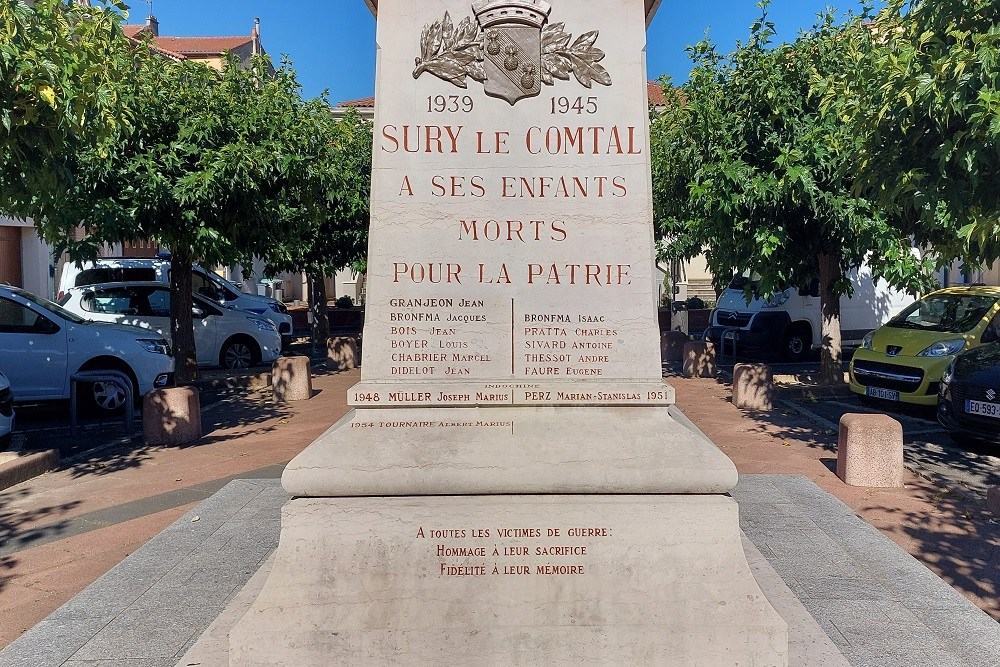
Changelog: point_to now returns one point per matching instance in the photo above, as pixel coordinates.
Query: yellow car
(904, 359)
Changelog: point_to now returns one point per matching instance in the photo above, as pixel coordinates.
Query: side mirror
(198, 312)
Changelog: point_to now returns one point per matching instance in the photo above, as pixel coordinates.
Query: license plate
(982, 408)
(878, 392)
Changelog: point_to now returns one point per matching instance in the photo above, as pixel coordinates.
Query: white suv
(223, 336)
(205, 283)
(42, 345)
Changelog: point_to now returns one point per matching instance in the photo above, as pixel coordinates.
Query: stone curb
(26, 466)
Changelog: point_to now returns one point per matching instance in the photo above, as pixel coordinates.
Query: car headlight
(279, 308)
(943, 348)
(256, 311)
(263, 325)
(948, 375)
(776, 300)
(868, 342)
(155, 345)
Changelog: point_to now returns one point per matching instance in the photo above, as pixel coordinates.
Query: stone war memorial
(510, 487)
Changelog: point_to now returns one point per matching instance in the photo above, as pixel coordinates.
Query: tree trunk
(318, 306)
(181, 320)
(831, 355)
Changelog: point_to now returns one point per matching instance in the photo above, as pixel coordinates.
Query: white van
(205, 283)
(787, 325)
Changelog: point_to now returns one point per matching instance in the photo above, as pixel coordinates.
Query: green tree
(59, 62)
(928, 105)
(202, 171)
(748, 171)
(328, 213)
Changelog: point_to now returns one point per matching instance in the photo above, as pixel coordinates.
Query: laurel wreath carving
(582, 58)
(452, 53)
(455, 53)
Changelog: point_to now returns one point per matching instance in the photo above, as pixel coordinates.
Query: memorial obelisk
(510, 488)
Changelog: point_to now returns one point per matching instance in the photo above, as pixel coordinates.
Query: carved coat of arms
(511, 48)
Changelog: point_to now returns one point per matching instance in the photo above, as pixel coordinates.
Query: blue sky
(332, 42)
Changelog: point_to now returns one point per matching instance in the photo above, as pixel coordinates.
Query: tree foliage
(928, 106)
(203, 170)
(328, 213)
(750, 172)
(59, 62)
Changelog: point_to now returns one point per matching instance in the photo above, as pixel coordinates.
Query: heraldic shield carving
(511, 48)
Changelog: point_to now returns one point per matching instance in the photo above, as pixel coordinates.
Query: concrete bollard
(291, 379)
(342, 353)
(753, 387)
(171, 416)
(672, 346)
(993, 500)
(870, 450)
(699, 359)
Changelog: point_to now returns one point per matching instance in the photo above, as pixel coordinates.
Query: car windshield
(950, 313)
(51, 307)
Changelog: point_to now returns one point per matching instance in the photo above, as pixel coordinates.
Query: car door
(207, 322)
(33, 352)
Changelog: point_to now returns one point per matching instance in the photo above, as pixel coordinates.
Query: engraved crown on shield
(511, 48)
(510, 12)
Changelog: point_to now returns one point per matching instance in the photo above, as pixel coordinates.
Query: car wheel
(239, 353)
(107, 396)
(796, 345)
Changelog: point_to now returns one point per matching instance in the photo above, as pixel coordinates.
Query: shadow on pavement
(11, 521)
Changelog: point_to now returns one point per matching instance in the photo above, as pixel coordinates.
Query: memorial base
(504, 580)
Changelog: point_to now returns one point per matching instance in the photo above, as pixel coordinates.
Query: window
(952, 313)
(124, 301)
(113, 274)
(16, 318)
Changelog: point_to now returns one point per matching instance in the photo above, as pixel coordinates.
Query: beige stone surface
(753, 387)
(342, 353)
(699, 359)
(449, 451)
(487, 581)
(171, 416)
(527, 252)
(291, 379)
(870, 450)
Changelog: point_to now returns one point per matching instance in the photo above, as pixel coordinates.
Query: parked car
(223, 336)
(969, 406)
(787, 324)
(6, 410)
(904, 360)
(205, 283)
(42, 345)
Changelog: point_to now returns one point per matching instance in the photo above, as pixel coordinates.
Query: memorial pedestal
(354, 583)
(507, 536)
(511, 488)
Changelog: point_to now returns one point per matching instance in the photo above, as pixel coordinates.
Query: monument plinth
(510, 488)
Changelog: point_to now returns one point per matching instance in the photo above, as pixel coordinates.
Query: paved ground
(936, 520)
(61, 531)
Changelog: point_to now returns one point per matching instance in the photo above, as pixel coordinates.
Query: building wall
(10, 256)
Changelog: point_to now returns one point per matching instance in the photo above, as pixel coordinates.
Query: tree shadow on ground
(952, 533)
(957, 539)
(253, 413)
(13, 534)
